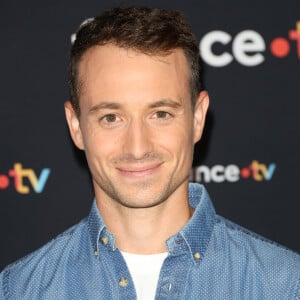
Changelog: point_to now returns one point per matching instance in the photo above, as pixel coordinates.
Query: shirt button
(123, 282)
(197, 255)
(96, 252)
(104, 240)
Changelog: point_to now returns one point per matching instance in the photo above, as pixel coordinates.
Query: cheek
(177, 141)
(100, 145)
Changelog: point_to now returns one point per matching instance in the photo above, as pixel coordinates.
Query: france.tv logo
(247, 47)
(24, 180)
(256, 171)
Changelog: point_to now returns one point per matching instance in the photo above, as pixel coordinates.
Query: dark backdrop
(248, 158)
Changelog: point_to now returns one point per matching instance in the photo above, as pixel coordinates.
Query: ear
(200, 111)
(74, 125)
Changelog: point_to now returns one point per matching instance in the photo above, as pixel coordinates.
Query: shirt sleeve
(297, 290)
(1, 286)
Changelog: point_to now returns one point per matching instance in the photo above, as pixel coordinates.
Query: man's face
(137, 126)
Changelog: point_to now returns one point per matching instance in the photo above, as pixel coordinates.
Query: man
(137, 109)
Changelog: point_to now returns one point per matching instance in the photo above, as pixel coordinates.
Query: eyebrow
(114, 105)
(104, 105)
(165, 102)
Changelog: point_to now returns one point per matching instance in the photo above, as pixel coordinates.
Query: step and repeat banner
(248, 157)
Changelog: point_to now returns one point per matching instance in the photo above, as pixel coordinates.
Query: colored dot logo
(4, 182)
(280, 46)
(245, 172)
(24, 180)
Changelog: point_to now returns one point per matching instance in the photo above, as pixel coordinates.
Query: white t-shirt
(144, 270)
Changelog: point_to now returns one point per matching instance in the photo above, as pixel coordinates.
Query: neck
(145, 230)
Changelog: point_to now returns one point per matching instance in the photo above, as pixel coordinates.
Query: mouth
(139, 170)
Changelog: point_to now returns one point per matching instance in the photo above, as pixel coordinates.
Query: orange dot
(245, 172)
(280, 47)
(4, 182)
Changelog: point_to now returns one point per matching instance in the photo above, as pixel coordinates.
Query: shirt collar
(97, 230)
(192, 238)
(195, 235)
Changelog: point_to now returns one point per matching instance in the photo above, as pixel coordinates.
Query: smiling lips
(138, 170)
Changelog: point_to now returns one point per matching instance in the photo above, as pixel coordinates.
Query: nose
(137, 140)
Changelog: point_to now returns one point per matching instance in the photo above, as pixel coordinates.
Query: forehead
(113, 69)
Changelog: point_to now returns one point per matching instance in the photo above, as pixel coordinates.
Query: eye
(110, 120)
(162, 115)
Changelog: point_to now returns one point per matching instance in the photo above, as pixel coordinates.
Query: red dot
(280, 47)
(245, 172)
(4, 182)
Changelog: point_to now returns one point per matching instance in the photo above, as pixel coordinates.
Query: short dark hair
(151, 31)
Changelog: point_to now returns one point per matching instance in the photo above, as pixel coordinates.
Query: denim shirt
(209, 258)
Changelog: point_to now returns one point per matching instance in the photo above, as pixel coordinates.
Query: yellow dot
(123, 282)
(104, 240)
(197, 256)
(96, 252)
